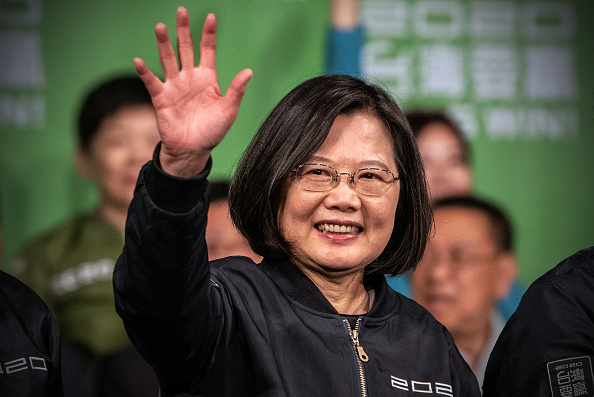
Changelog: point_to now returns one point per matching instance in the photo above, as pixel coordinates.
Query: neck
(346, 294)
(114, 216)
(473, 343)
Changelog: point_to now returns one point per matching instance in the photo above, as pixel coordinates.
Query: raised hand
(192, 115)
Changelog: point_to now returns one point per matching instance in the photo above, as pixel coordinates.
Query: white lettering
(550, 73)
(493, 19)
(386, 17)
(17, 365)
(439, 19)
(465, 116)
(38, 363)
(421, 387)
(494, 72)
(531, 122)
(399, 383)
(513, 65)
(22, 110)
(86, 273)
(381, 61)
(549, 20)
(22, 364)
(22, 65)
(444, 389)
(442, 71)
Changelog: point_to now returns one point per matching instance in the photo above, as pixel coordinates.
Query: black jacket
(29, 343)
(236, 328)
(547, 346)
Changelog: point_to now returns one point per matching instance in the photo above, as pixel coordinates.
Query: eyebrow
(362, 164)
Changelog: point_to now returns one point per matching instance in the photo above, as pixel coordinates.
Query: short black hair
(500, 224)
(106, 99)
(294, 130)
(419, 119)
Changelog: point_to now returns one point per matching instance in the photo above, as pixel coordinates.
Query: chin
(339, 264)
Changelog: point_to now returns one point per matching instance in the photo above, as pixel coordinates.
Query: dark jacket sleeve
(29, 344)
(162, 286)
(547, 346)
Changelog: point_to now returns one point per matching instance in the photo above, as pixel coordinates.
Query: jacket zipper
(359, 353)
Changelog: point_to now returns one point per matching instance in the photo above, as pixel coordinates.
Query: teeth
(331, 228)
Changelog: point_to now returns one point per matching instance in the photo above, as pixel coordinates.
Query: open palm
(192, 115)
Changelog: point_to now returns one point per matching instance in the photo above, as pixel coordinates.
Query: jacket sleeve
(30, 337)
(549, 337)
(162, 287)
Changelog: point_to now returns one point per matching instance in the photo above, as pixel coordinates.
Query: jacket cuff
(171, 193)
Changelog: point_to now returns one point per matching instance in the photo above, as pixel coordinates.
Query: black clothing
(547, 346)
(126, 374)
(236, 328)
(29, 343)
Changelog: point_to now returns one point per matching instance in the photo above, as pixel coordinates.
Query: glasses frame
(351, 180)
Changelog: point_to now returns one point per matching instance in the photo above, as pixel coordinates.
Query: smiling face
(340, 231)
(123, 142)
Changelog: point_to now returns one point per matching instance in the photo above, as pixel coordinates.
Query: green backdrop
(532, 146)
(55, 51)
(518, 76)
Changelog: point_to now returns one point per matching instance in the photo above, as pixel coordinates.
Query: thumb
(237, 88)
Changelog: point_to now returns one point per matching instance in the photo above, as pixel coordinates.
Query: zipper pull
(362, 355)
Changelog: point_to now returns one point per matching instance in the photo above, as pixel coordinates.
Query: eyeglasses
(366, 181)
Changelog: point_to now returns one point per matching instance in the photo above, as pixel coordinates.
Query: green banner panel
(517, 75)
(52, 52)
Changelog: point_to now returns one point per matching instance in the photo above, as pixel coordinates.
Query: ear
(507, 266)
(83, 163)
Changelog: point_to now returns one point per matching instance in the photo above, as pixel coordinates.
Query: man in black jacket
(30, 343)
(547, 347)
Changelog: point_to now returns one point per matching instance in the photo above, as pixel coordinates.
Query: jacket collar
(297, 286)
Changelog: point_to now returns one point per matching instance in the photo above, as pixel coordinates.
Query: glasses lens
(367, 181)
(373, 181)
(316, 177)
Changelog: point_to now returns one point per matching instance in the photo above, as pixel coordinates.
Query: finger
(185, 48)
(152, 82)
(208, 43)
(237, 88)
(166, 54)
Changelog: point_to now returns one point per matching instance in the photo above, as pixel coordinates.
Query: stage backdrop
(517, 74)
(53, 52)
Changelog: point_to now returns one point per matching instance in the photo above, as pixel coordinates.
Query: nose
(343, 196)
(438, 269)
